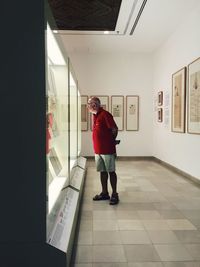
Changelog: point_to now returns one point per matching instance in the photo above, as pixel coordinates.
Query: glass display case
(73, 118)
(57, 129)
(65, 169)
(79, 124)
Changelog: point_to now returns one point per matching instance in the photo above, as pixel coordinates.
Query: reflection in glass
(56, 119)
(73, 119)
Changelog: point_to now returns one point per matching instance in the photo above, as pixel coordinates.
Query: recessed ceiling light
(55, 31)
(106, 32)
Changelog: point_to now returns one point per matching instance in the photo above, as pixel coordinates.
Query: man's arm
(114, 132)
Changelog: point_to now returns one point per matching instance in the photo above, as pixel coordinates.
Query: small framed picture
(160, 114)
(84, 113)
(117, 110)
(193, 125)
(160, 98)
(178, 100)
(132, 113)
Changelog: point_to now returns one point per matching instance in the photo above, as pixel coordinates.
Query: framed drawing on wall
(104, 99)
(160, 98)
(84, 113)
(193, 125)
(132, 113)
(178, 100)
(117, 110)
(160, 114)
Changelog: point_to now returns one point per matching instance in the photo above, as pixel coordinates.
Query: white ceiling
(157, 22)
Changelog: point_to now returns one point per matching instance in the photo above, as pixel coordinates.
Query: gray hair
(95, 99)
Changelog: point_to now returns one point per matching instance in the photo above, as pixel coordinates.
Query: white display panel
(60, 235)
(77, 178)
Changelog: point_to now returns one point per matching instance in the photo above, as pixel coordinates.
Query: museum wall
(119, 74)
(181, 150)
(146, 75)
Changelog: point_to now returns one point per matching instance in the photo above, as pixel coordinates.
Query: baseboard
(151, 158)
(134, 158)
(126, 158)
(176, 170)
(89, 157)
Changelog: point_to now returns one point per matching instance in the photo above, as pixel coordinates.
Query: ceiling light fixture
(106, 32)
(138, 17)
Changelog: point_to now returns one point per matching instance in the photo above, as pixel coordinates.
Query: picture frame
(55, 161)
(104, 99)
(117, 110)
(160, 114)
(193, 104)
(178, 101)
(160, 98)
(84, 113)
(132, 113)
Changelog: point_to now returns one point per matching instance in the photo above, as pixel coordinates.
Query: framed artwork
(51, 85)
(132, 113)
(178, 100)
(55, 161)
(84, 113)
(160, 114)
(160, 98)
(193, 124)
(117, 110)
(104, 99)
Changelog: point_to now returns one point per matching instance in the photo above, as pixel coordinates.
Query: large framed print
(132, 113)
(104, 99)
(117, 110)
(84, 113)
(178, 100)
(193, 125)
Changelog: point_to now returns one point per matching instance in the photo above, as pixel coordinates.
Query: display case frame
(84, 113)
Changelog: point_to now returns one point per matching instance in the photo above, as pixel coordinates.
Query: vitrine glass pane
(73, 120)
(79, 123)
(56, 118)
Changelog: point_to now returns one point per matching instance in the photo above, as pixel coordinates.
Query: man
(104, 133)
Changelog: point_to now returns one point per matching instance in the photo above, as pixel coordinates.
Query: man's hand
(117, 142)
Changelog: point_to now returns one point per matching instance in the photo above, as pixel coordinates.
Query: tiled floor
(155, 224)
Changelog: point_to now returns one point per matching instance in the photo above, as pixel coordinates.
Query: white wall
(145, 75)
(114, 74)
(181, 150)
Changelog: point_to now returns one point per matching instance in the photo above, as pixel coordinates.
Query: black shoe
(101, 196)
(114, 199)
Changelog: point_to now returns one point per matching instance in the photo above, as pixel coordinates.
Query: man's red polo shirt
(103, 141)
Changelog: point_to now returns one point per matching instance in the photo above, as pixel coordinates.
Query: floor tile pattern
(155, 224)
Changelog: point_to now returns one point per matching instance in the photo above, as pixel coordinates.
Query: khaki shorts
(105, 163)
